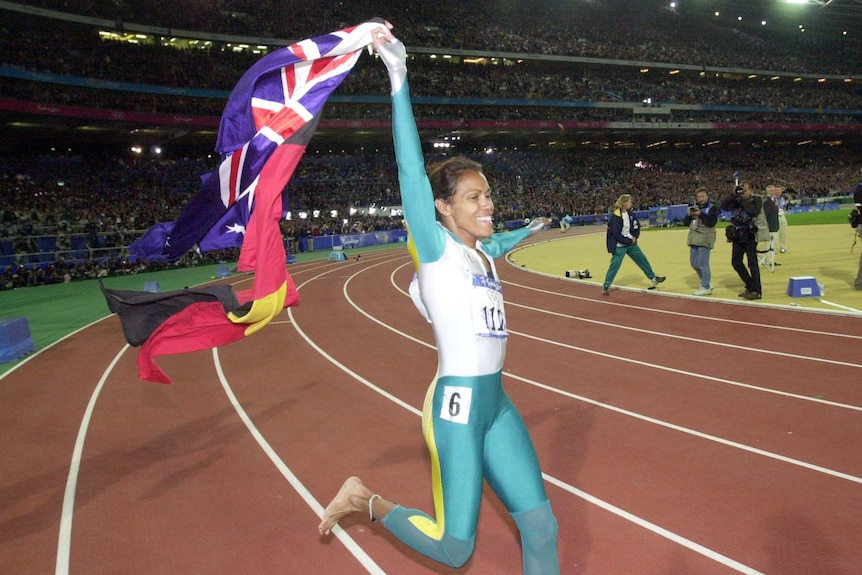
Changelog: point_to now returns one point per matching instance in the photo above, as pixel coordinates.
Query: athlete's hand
(538, 224)
(393, 54)
(381, 35)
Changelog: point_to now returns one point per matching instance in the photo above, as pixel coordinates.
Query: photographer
(742, 232)
(857, 200)
(701, 219)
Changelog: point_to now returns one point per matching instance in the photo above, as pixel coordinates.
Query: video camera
(739, 190)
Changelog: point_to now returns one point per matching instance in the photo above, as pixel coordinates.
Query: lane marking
(340, 365)
(661, 531)
(839, 306)
(64, 540)
(648, 419)
(354, 548)
(350, 544)
(680, 314)
(687, 338)
(691, 373)
(689, 431)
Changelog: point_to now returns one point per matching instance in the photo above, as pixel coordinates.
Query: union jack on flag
(278, 100)
(268, 121)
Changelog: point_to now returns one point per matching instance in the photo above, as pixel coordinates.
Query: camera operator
(701, 219)
(742, 232)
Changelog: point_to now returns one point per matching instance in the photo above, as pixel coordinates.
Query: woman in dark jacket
(622, 239)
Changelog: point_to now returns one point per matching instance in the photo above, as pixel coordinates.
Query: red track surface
(677, 436)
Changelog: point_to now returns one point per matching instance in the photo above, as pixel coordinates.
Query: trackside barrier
(341, 242)
(15, 338)
(663, 216)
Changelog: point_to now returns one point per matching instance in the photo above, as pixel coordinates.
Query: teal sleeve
(500, 243)
(416, 196)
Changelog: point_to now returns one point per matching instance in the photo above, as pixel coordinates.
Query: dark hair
(445, 175)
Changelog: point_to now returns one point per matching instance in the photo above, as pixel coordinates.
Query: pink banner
(213, 121)
(98, 114)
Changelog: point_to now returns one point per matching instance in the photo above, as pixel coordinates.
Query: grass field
(816, 218)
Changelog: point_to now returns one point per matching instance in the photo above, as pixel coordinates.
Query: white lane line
(690, 373)
(839, 306)
(652, 365)
(64, 540)
(340, 365)
(656, 366)
(680, 314)
(700, 434)
(661, 531)
(689, 339)
(354, 548)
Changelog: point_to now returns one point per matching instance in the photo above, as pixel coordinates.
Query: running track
(677, 437)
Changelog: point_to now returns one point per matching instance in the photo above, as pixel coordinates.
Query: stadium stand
(542, 71)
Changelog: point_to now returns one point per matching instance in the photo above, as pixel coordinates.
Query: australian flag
(278, 99)
(267, 123)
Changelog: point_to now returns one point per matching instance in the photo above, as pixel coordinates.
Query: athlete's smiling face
(467, 212)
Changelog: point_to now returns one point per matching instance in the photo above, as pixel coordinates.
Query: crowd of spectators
(647, 30)
(72, 49)
(68, 217)
(48, 202)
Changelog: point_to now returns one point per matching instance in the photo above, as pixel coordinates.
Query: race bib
(489, 317)
(456, 404)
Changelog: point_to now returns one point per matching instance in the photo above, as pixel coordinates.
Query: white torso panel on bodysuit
(465, 307)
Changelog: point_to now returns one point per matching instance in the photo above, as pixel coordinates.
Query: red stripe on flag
(235, 167)
(324, 65)
(288, 77)
(261, 116)
(288, 73)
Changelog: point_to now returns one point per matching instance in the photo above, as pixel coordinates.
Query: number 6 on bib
(456, 404)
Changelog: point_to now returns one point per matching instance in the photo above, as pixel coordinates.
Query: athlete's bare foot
(352, 497)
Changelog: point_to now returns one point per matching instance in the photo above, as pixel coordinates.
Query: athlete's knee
(420, 532)
(539, 519)
(458, 551)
